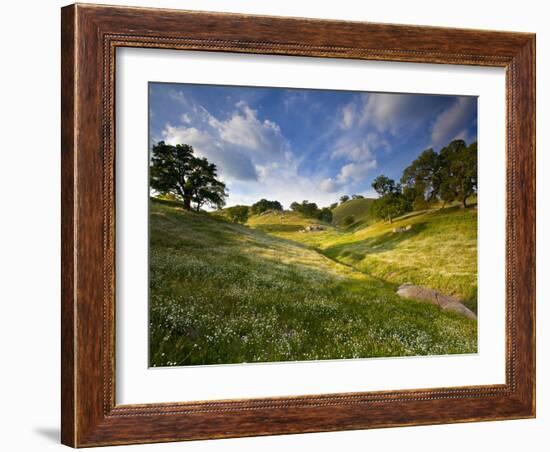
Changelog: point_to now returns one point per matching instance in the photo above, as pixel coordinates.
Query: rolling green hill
(357, 208)
(226, 293)
(289, 225)
(439, 251)
(286, 221)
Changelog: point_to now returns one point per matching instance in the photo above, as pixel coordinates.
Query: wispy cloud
(359, 147)
(355, 172)
(348, 116)
(177, 95)
(452, 123)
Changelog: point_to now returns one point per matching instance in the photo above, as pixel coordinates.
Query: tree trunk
(187, 199)
(464, 203)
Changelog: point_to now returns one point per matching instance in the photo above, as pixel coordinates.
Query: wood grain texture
(67, 224)
(90, 36)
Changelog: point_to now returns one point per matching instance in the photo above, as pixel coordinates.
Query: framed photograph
(280, 225)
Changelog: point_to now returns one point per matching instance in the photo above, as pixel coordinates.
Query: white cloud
(381, 110)
(187, 135)
(348, 116)
(360, 149)
(285, 188)
(177, 95)
(243, 146)
(384, 112)
(255, 160)
(452, 122)
(359, 152)
(244, 129)
(462, 135)
(388, 112)
(355, 172)
(329, 185)
(232, 163)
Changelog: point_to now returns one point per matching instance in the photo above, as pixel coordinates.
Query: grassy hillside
(225, 293)
(282, 222)
(358, 208)
(439, 251)
(288, 225)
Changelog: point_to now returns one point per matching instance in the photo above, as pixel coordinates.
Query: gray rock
(445, 302)
(313, 228)
(402, 229)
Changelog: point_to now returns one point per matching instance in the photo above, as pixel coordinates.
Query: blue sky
(296, 144)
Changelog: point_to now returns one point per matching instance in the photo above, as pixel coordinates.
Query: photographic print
(302, 224)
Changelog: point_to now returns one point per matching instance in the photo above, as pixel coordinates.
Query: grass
(288, 225)
(359, 209)
(439, 251)
(226, 293)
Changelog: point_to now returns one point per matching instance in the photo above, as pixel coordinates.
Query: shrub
(306, 208)
(325, 214)
(349, 220)
(263, 205)
(238, 214)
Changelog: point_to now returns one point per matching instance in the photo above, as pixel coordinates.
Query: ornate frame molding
(90, 37)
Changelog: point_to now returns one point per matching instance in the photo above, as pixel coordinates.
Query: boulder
(427, 295)
(402, 229)
(313, 228)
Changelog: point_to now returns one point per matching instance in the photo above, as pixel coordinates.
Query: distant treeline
(447, 176)
(240, 214)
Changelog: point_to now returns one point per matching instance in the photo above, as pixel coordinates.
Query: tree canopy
(384, 185)
(238, 214)
(458, 171)
(390, 206)
(391, 202)
(421, 180)
(263, 205)
(450, 175)
(310, 209)
(344, 198)
(176, 171)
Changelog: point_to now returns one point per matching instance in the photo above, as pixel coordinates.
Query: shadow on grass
(472, 303)
(166, 202)
(273, 227)
(357, 250)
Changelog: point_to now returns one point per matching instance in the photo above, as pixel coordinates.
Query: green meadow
(266, 291)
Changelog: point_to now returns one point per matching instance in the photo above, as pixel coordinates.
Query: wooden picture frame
(90, 36)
